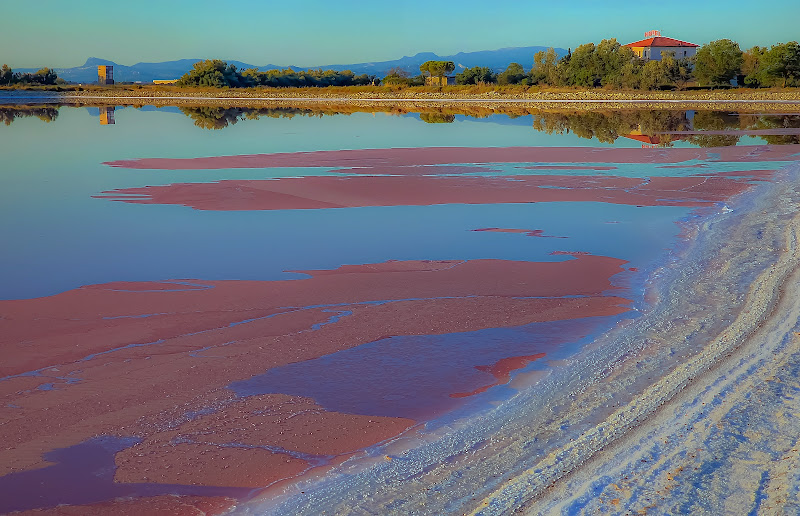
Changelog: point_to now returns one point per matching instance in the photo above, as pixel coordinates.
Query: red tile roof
(660, 41)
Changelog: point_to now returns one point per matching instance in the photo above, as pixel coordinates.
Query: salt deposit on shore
(727, 441)
(592, 437)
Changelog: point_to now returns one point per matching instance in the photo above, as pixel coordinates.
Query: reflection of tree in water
(219, 118)
(776, 122)
(723, 121)
(9, 114)
(607, 126)
(213, 117)
(437, 118)
(715, 121)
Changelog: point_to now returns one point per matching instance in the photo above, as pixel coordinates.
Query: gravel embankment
(381, 99)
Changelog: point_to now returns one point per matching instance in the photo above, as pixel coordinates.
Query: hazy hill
(147, 72)
(144, 72)
(498, 60)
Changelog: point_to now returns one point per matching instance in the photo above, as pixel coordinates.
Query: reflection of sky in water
(84, 474)
(98, 241)
(417, 376)
(56, 237)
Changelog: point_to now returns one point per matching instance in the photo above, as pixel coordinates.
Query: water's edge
(725, 440)
(725, 257)
(508, 457)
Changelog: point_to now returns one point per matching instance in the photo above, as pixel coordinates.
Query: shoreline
(751, 100)
(638, 431)
(730, 370)
(606, 395)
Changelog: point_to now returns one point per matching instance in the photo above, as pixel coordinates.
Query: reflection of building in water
(646, 139)
(655, 45)
(653, 140)
(105, 74)
(107, 115)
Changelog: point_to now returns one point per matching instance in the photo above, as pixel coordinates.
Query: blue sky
(60, 33)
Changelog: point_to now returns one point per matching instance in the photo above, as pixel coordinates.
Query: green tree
(6, 75)
(676, 72)
(611, 58)
(437, 68)
(545, 68)
(365, 80)
(476, 75)
(251, 77)
(718, 62)
(781, 64)
(213, 73)
(44, 76)
(417, 80)
(513, 74)
(652, 75)
(582, 67)
(751, 64)
(631, 74)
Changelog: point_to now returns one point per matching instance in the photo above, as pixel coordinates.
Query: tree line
(45, 76)
(44, 113)
(219, 74)
(612, 65)
(615, 66)
(607, 64)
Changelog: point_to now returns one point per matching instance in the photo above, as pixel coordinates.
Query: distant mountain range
(497, 60)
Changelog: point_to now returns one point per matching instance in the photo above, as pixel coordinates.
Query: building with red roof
(655, 45)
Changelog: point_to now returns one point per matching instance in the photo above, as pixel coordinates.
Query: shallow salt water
(289, 332)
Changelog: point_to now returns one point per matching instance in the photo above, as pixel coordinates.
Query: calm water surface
(211, 329)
